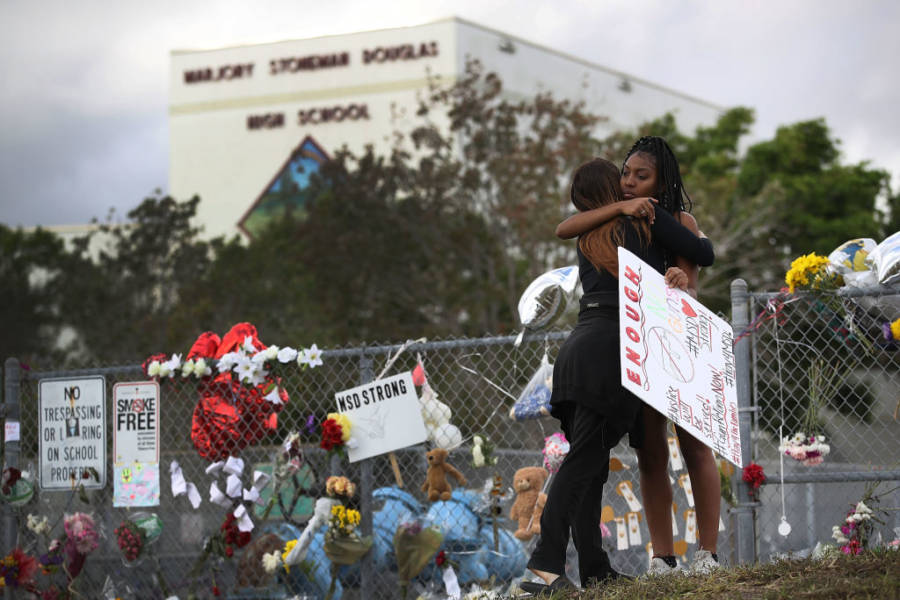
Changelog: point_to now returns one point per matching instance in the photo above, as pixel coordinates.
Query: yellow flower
(344, 421)
(807, 270)
(895, 329)
(287, 550)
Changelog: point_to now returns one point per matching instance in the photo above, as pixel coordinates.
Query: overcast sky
(83, 98)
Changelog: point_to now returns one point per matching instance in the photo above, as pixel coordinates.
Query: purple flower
(310, 424)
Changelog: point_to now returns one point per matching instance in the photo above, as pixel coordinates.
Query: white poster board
(677, 356)
(384, 416)
(136, 443)
(72, 428)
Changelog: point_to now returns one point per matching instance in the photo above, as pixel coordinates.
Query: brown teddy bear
(526, 509)
(436, 486)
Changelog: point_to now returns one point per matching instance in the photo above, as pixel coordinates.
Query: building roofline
(469, 23)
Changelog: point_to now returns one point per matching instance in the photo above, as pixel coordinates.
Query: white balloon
(851, 256)
(545, 298)
(446, 436)
(436, 412)
(885, 260)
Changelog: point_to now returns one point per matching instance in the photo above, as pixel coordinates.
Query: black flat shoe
(538, 589)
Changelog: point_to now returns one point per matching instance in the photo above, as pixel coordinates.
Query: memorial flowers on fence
(17, 570)
(855, 533)
(343, 545)
(482, 451)
(239, 387)
(414, 547)
(16, 487)
(754, 477)
(808, 445)
(336, 434)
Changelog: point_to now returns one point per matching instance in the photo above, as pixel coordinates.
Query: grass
(869, 575)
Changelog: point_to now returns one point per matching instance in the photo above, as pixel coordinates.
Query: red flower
(9, 478)
(440, 559)
(229, 551)
(216, 591)
(754, 477)
(332, 435)
(234, 339)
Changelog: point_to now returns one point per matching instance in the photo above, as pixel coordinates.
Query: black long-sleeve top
(666, 234)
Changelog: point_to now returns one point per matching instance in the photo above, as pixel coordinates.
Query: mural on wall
(287, 191)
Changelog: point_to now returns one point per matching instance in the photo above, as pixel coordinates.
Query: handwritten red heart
(686, 308)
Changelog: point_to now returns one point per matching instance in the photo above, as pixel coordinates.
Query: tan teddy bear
(529, 502)
(436, 486)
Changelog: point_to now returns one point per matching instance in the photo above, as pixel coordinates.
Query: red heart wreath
(229, 415)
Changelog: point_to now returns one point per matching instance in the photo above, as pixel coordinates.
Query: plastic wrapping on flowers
(415, 544)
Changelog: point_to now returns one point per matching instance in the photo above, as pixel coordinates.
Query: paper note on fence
(677, 357)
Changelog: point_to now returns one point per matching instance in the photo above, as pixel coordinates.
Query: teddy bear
(436, 486)
(526, 509)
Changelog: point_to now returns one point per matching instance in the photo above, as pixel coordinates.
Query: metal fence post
(366, 483)
(745, 531)
(9, 410)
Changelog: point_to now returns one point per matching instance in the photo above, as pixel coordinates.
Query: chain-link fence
(828, 352)
(479, 380)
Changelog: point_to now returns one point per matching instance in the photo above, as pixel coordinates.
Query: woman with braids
(594, 409)
(651, 170)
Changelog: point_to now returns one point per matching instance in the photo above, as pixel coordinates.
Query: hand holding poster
(677, 357)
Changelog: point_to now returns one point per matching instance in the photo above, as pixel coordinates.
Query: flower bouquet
(343, 545)
(16, 487)
(482, 451)
(336, 437)
(135, 534)
(414, 546)
(808, 446)
(811, 272)
(17, 570)
(754, 477)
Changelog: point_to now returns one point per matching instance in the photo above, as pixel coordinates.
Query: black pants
(575, 499)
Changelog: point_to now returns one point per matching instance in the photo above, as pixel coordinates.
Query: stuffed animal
(248, 572)
(528, 483)
(536, 515)
(436, 486)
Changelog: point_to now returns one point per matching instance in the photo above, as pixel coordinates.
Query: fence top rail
(844, 292)
(364, 350)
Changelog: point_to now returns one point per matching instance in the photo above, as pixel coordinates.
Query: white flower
(228, 361)
(187, 369)
(168, 368)
(271, 352)
(271, 561)
(39, 525)
(153, 368)
(352, 443)
(245, 368)
(862, 509)
(201, 369)
(477, 456)
(286, 355)
(313, 356)
(259, 358)
(273, 396)
(248, 344)
(477, 440)
(258, 376)
(838, 535)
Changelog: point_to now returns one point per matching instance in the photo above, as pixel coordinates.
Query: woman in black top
(651, 169)
(594, 410)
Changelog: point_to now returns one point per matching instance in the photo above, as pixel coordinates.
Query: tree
(30, 265)
(125, 300)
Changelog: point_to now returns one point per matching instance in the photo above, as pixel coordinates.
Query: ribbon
(243, 519)
(234, 465)
(215, 468)
(233, 486)
(217, 497)
(451, 583)
(180, 486)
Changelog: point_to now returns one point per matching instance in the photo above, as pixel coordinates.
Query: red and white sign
(677, 357)
(136, 422)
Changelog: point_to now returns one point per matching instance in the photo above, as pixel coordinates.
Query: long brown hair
(594, 184)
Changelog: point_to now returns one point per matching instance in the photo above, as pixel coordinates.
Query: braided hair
(671, 195)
